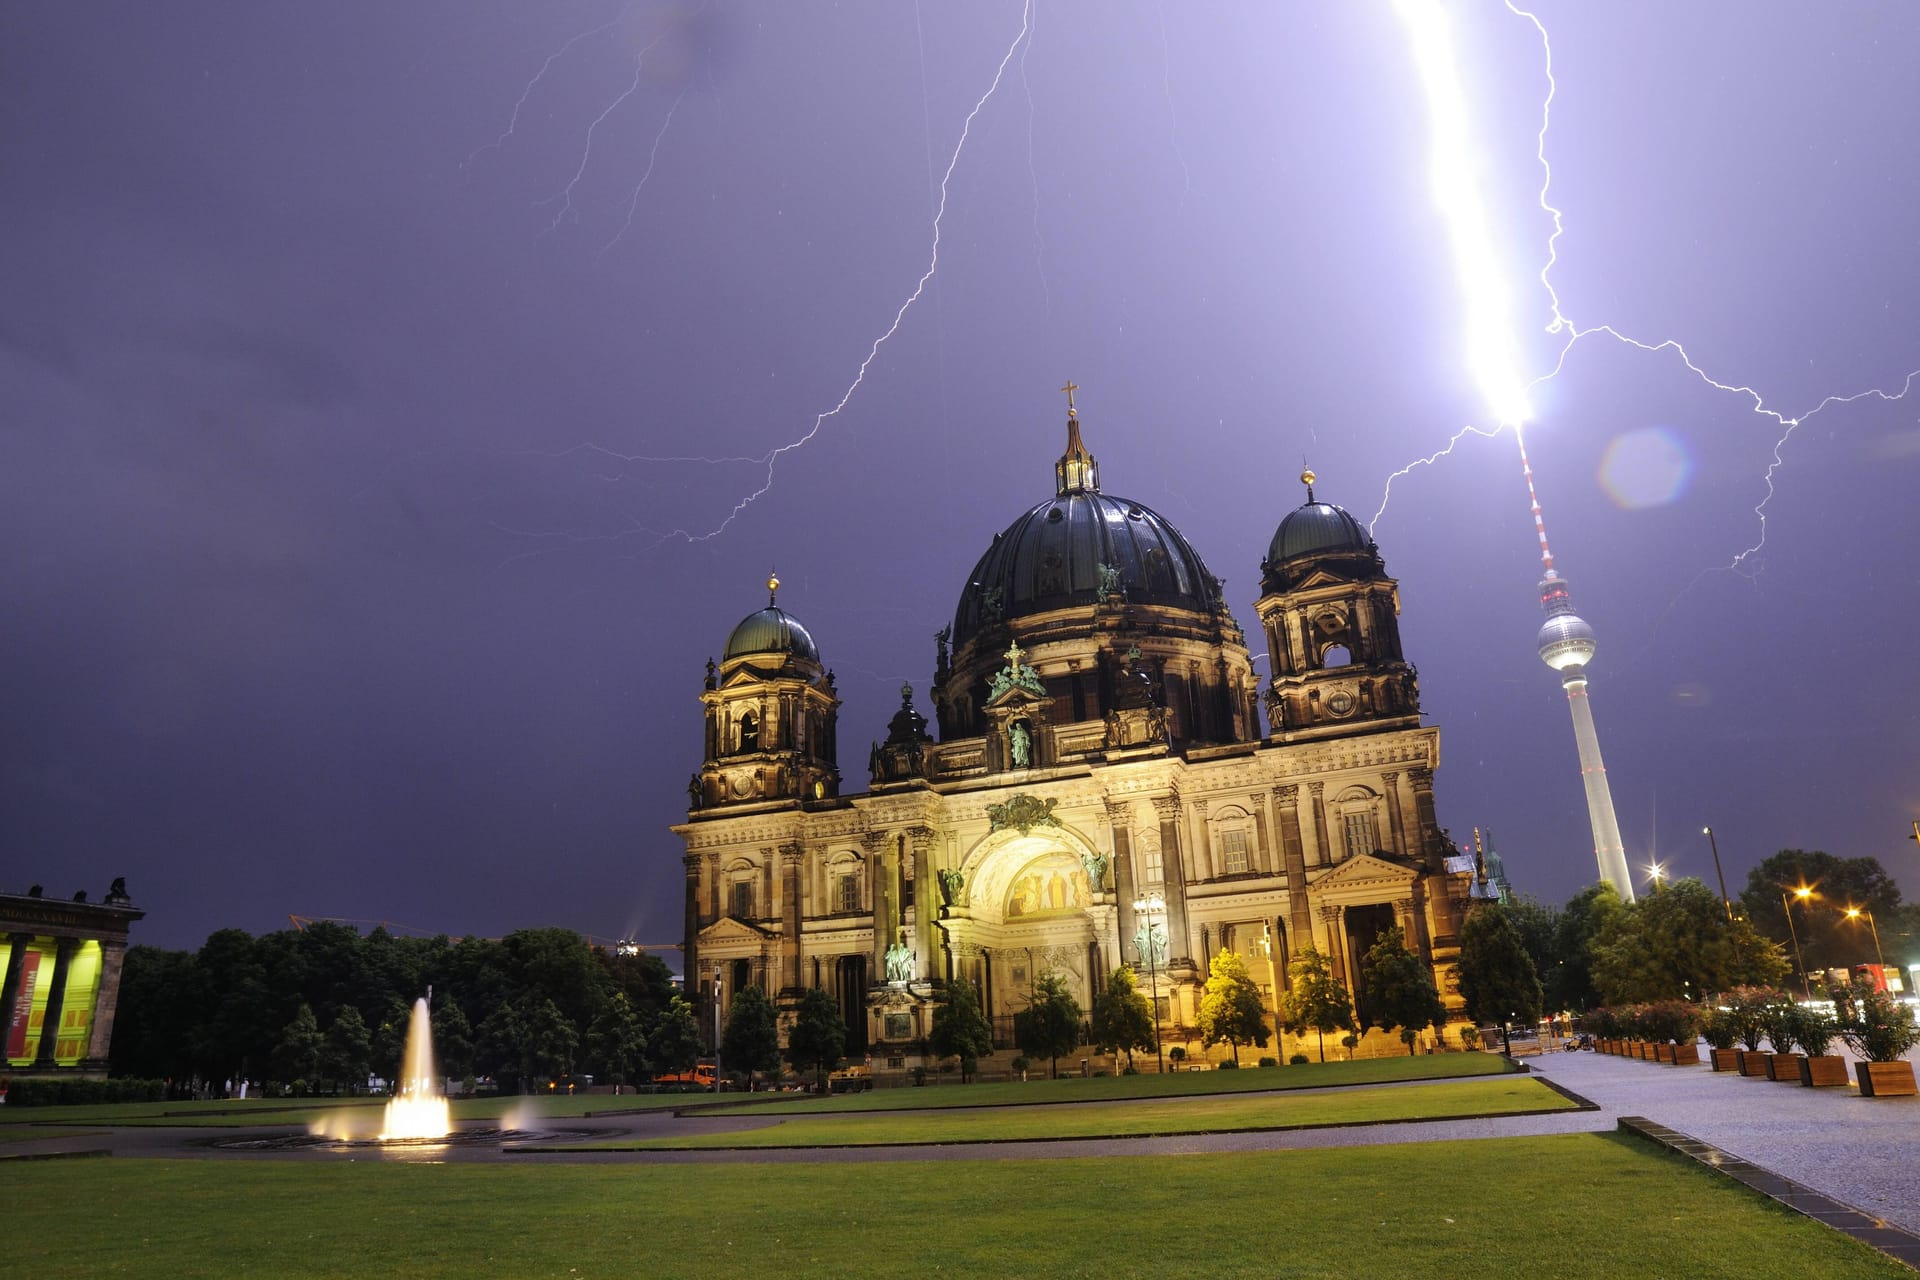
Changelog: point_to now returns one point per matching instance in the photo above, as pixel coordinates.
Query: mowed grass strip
(1573, 1206)
(1140, 1117)
(264, 1113)
(1174, 1084)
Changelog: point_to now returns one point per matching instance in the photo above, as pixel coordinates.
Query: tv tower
(1566, 645)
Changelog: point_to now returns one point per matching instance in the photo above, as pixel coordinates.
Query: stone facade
(1100, 747)
(62, 966)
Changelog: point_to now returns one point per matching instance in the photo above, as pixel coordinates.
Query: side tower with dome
(1100, 790)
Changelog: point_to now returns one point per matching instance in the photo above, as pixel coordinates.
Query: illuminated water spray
(1566, 642)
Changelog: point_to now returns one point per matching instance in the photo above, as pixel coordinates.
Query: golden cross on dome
(1014, 654)
(1070, 388)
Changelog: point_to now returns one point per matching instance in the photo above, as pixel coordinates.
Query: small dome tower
(771, 714)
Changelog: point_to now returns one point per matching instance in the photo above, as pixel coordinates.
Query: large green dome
(771, 630)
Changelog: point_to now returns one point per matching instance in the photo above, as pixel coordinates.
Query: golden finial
(1070, 388)
(1307, 478)
(773, 585)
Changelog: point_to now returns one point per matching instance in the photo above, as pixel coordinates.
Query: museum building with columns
(1098, 787)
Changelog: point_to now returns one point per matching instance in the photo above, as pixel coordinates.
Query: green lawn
(1173, 1084)
(1573, 1206)
(1218, 1114)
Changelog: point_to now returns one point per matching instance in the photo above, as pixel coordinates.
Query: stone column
(1293, 860)
(1169, 810)
(793, 863)
(713, 886)
(1395, 824)
(1422, 780)
(1332, 920)
(1205, 868)
(56, 1001)
(879, 849)
(1412, 926)
(1321, 841)
(17, 944)
(926, 903)
(1264, 860)
(1120, 821)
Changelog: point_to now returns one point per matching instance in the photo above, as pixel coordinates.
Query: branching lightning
(1492, 355)
(564, 196)
(653, 157)
(513, 122)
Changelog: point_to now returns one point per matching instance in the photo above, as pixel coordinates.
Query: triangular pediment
(1365, 872)
(728, 929)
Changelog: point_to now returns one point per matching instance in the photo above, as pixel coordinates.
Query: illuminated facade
(1099, 743)
(62, 963)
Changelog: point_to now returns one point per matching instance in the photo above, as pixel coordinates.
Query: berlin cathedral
(1097, 787)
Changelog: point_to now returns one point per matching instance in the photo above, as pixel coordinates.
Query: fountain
(418, 1108)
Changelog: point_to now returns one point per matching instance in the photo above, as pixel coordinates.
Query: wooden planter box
(1686, 1055)
(1885, 1079)
(1753, 1064)
(1728, 1060)
(1785, 1066)
(1646, 1050)
(1663, 1053)
(1824, 1072)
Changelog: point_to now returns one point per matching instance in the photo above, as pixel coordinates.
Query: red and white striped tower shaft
(1566, 645)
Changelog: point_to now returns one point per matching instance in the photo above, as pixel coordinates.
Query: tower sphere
(1566, 641)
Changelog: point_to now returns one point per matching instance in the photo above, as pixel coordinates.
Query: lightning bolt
(513, 122)
(653, 157)
(564, 196)
(1491, 351)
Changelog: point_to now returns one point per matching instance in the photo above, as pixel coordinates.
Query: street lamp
(717, 987)
(1150, 943)
(1655, 871)
(1718, 874)
(1802, 893)
(1854, 913)
(1265, 943)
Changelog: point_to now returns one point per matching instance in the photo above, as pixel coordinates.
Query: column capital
(1331, 914)
(1390, 776)
(1200, 807)
(1288, 793)
(1120, 812)
(791, 854)
(873, 841)
(1421, 777)
(921, 838)
(1316, 789)
(1403, 905)
(1167, 806)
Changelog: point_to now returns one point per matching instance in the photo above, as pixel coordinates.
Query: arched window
(1356, 810)
(749, 732)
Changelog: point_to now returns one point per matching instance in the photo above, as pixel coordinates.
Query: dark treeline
(325, 1006)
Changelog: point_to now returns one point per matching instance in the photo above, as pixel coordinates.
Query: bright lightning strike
(564, 197)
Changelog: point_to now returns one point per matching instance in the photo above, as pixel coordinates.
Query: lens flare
(1645, 468)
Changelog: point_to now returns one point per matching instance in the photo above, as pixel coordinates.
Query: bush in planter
(1815, 1033)
(1878, 1028)
(1780, 1019)
(1745, 1006)
(1670, 1022)
(1720, 1029)
(1602, 1023)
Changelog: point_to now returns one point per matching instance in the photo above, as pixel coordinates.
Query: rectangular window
(899, 1026)
(847, 893)
(1156, 867)
(1359, 833)
(1233, 843)
(742, 902)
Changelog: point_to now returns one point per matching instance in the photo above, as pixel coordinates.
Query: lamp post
(717, 986)
(1719, 874)
(1150, 942)
(1802, 893)
(1265, 943)
(1655, 872)
(1854, 913)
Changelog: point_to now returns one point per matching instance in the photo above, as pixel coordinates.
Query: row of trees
(1679, 941)
(327, 1005)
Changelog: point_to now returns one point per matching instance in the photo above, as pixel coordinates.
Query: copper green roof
(771, 630)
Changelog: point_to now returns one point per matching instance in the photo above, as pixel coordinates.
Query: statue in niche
(1096, 865)
(953, 884)
(1021, 742)
(696, 794)
(1109, 585)
(899, 960)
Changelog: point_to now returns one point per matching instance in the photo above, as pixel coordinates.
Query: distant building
(62, 979)
(1099, 745)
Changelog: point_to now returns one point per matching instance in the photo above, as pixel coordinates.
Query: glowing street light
(1718, 874)
(1854, 914)
(1656, 871)
(1151, 945)
(1803, 893)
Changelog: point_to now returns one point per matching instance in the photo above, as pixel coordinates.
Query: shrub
(1469, 1036)
(1780, 1020)
(1298, 1060)
(1744, 1006)
(1230, 1065)
(1874, 1024)
(1719, 1028)
(1670, 1022)
(1813, 1031)
(1178, 1054)
(67, 1093)
(1603, 1023)
(1269, 1062)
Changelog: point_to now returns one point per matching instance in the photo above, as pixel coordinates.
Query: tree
(1050, 1024)
(1231, 1008)
(1826, 937)
(960, 1029)
(616, 1042)
(452, 1039)
(674, 1042)
(529, 1038)
(297, 1055)
(751, 1042)
(344, 1057)
(1570, 984)
(1400, 987)
(1122, 1019)
(389, 1040)
(1497, 977)
(1317, 1001)
(818, 1035)
(1677, 944)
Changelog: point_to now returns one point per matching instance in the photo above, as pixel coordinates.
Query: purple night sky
(350, 409)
